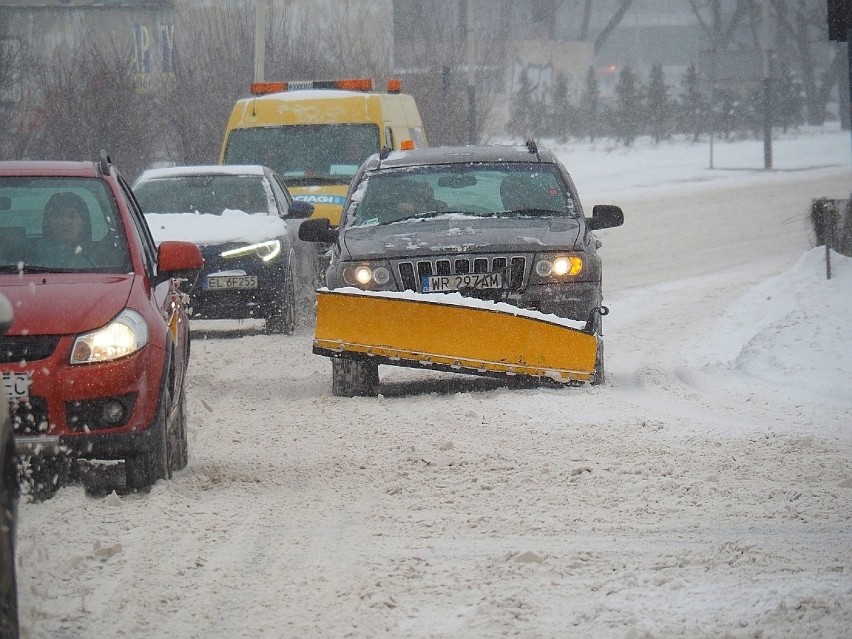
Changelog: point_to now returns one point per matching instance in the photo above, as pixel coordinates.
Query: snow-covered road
(705, 491)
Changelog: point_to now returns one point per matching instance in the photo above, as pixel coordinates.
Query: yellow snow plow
(360, 330)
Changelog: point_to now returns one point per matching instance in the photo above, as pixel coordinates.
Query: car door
(166, 296)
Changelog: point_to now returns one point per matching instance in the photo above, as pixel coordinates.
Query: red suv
(95, 362)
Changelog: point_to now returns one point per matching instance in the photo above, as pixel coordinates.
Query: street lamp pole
(471, 76)
(259, 39)
(767, 91)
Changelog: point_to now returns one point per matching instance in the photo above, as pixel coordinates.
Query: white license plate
(17, 386)
(440, 283)
(231, 281)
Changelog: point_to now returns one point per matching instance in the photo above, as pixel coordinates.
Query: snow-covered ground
(705, 491)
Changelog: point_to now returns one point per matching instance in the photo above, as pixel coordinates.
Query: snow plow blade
(451, 333)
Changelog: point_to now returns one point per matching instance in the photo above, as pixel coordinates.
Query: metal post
(767, 92)
(849, 70)
(471, 76)
(259, 39)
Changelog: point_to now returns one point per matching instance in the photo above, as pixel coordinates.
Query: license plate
(231, 281)
(441, 283)
(17, 386)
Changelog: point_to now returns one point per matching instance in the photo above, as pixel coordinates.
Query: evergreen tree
(520, 108)
(589, 110)
(787, 99)
(560, 112)
(658, 106)
(693, 104)
(628, 100)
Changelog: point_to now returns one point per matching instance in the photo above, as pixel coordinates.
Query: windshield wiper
(420, 216)
(312, 180)
(531, 212)
(32, 268)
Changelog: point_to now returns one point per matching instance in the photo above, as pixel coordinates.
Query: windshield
(211, 194)
(305, 154)
(479, 190)
(50, 224)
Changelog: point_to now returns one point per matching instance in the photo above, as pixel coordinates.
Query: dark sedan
(238, 216)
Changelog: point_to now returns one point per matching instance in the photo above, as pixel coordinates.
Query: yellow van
(316, 134)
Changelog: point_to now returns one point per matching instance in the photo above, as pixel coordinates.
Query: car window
(149, 248)
(64, 224)
(280, 193)
(482, 190)
(330, 151)
(209, 194)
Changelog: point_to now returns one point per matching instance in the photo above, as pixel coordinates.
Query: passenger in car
(66, 238)
(519, 194)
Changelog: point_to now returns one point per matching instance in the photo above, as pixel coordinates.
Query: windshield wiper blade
(33, 268)
(531, 211)
(416, 216)
(312, 180)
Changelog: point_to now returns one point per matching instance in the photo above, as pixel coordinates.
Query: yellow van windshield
(305, 154)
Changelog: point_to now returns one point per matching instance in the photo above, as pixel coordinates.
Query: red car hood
(57, 304)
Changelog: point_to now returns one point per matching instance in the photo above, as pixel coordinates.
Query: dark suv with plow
(500, 223)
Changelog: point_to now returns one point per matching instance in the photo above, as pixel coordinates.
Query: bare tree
(15, 135)
(91, 100)
(354, 35)
(613, 22)
(436, 70)
(803, 24)
(719, 28)
(213, 66)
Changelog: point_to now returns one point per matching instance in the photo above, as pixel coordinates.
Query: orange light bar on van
(349, 84)
(355, 84)
(262, 88)
(394, 85)
(406, 145)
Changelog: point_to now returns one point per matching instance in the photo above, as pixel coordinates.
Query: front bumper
(238, 303)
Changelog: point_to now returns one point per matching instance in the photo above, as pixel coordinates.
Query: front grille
(27, 348)
(411, 273)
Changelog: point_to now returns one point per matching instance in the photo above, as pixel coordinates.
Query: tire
(8, 580)
(145, 468)
(178, 444)
(353, 378)
(282, 318)
(47, 474)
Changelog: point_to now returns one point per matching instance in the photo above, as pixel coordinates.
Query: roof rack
(533, 148)
(103, 162)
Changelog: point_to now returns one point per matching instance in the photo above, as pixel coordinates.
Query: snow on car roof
(205, 169)
(462, 155)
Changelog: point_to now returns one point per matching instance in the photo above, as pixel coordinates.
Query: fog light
(381, 275)
(112, 413)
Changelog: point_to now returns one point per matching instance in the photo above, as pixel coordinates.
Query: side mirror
(317, 229)
(300, 210)
(605, 216)
(179, 260)
(7, 315)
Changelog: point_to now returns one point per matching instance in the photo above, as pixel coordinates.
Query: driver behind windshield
(66, 233)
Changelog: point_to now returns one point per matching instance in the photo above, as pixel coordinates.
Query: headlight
(559, 266)
(264, 250)
(124, 335)
(366, 276)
